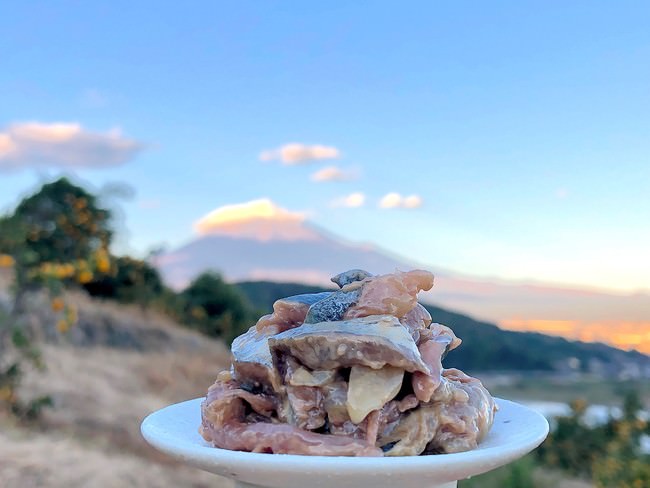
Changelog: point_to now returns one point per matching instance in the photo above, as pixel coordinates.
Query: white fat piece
(369, 389)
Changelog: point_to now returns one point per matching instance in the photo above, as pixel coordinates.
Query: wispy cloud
(333, 173)
(352, 200)
(296, 153)
(65, 145)
(395, 200)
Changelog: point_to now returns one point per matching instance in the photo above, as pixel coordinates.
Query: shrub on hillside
(609, 454)
(215, 308)
(129, 281)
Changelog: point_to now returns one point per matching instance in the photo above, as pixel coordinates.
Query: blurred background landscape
(166, 174)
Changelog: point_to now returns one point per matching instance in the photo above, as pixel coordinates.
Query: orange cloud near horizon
(623, 335)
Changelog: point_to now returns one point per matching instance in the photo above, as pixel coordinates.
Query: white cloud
(395, 200)
(390, 200)
(64, 145)
(353, 200)
(258, 219)
(296, 153)
(333, 173)
(412, 201)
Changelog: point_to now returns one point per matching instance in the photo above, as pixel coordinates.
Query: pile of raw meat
(353, 372)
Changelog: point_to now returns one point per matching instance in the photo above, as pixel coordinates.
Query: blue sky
(523, 126)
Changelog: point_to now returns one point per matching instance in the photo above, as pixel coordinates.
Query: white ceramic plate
(173, 430)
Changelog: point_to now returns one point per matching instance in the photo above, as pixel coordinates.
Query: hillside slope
(486, 346)
(114, 367)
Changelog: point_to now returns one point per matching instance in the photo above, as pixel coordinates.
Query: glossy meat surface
(223, 424)
(391, 294)
(289, 312)
(370, 341)
(353, 372)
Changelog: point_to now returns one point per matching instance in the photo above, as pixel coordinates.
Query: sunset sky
(507, 139)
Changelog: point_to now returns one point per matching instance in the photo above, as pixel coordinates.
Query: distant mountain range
(284, 248)
(486, 347)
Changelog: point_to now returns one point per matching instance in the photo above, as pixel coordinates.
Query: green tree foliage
(262, 294)
(609, 454)
(129, 281)
(63, 223)
(572, 445)
(215, 308)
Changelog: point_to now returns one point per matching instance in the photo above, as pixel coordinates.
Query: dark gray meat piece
(253, 365)
(333, 307)
(374, 341)
(350, 276)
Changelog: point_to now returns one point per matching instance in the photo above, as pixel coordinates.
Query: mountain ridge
(578, 313)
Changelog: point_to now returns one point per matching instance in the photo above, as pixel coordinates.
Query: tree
(57, 235)
(63, 223)
(214, 307)
(129, 281)
(609, 454)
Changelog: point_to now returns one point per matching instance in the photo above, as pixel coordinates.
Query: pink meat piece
(407, 403)
(227, 392)
(440, 333)
(372, 426)
(335, 396)
(458, 417)
(391, 294)
(435, 340)
(389, 416)
(223, 413)
(307, 406)
(465, 412)
(286, 439)
(379, 424)
(285, 316)
(415, 321)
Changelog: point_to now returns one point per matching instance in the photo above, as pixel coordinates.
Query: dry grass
(91, 437)
(50, 459)
(105, 393)
(101, 394)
